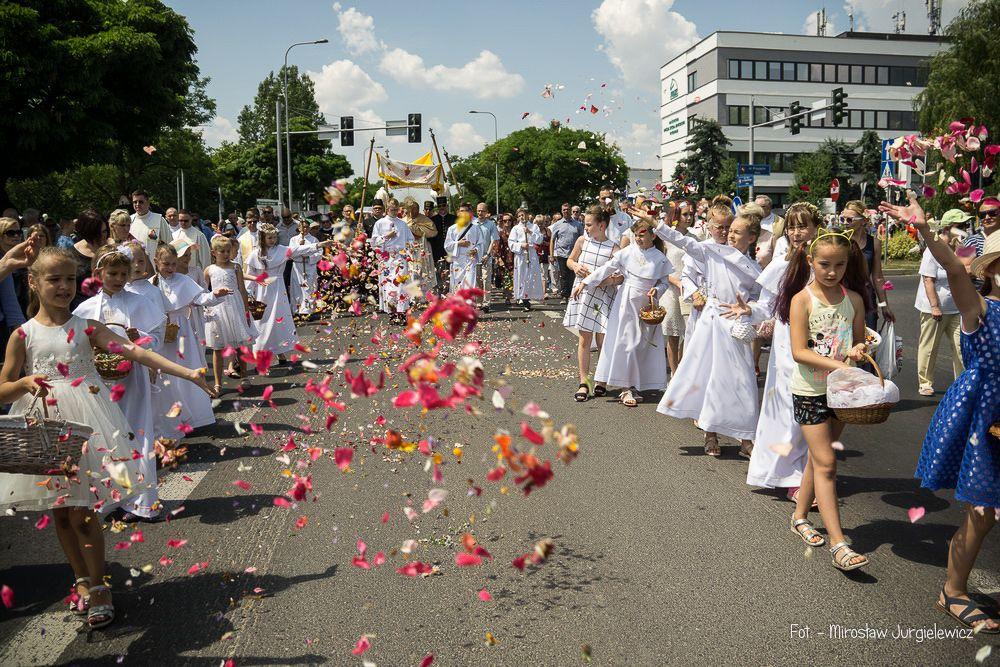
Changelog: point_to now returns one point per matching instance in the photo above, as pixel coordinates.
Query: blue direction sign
(744, 180)
(753, 169)
(888, 167)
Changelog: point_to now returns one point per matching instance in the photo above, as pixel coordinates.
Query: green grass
(902, 264)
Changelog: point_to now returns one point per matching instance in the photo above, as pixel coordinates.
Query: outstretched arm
(970, 304)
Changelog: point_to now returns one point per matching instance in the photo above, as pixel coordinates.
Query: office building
(716, 78)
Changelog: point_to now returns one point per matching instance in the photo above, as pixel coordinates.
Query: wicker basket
(869, 414)
(107, 363)
(170, 334)
(653, 313)
(33, 444)
(257, 309)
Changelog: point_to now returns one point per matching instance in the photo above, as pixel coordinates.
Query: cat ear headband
(849, 234)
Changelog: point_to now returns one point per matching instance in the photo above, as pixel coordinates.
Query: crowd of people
(675, 296)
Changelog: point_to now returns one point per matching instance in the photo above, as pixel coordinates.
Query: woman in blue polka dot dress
(959, 451)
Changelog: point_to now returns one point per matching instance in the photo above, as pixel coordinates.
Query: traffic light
(839, 105)
(413, 128)
(794, 122)
(347, 130)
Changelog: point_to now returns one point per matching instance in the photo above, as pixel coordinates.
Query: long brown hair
(799, 272)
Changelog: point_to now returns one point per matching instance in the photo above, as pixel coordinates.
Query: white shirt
(930, 268)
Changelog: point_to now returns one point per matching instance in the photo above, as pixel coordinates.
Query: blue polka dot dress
(959, 451)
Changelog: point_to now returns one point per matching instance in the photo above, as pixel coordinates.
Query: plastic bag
(889, 354)
(857, 388)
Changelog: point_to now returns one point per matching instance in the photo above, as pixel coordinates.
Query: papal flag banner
(420, 174)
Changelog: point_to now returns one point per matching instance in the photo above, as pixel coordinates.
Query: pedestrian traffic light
(347, 130)
(794, 120)
(839, 98)
(413, 128)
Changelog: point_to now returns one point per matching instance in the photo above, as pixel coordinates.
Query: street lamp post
(496, 138)
(284, 90)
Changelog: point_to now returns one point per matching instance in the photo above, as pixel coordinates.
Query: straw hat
(991, 253)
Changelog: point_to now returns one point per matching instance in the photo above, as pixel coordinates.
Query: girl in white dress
(55, 349)
(523, 239)
(587, 316)
(276, 329)
(715, 383)
(677, 312)
(716, 230)
(304, 273)
(461, 243)
(182, 296)
(227, 323)
(632, 355)
(141, 320)
(776, 426)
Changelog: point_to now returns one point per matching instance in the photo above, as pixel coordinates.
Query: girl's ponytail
(857, 279)
(796, 278)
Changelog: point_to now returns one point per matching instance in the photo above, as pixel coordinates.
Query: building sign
(673, 89)
(675, 125)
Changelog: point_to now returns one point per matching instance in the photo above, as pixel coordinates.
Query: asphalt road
(661, 555)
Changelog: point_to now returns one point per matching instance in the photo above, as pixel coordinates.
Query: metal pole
(447, 161)
(496, 174)
(364, 185)
(277, 141)
(288, 138)
(177, 182)
(752, 100)
(183, 191)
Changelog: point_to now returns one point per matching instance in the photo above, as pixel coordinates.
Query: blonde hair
(119, 215)
(109, 256)
(220, 243)
(7, 223)
(856, 206)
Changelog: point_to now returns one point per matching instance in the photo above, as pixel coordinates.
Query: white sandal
(102, 615)
(78, 604)
(843, 561)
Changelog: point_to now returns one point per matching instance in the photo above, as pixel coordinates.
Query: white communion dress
(633, 355)
(108, 476)
(715, 382)
(226, 322)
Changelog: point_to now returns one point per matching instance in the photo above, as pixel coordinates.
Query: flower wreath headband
(120, 250)
(849, 234)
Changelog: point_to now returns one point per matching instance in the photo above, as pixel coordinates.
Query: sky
(442, 58)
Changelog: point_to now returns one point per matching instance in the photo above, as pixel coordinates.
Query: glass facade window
(734, 68)
(830, 73)
(788, 71)
(857, 75)
(855, 118)
(882, 119)
(843, 74)
(692, 81)
(774, 71)
(870, 74)
(801, 71)
(869, 119)
(883, 76)
(816, 72)
(746, 69)
(760, 70)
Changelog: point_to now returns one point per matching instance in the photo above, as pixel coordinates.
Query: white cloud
(219, 130)
(639, 145)
(640, 36)
(484, 78)
(342, 87)
(536, 119)
(462, 139)
(357, 31)
(809, 27)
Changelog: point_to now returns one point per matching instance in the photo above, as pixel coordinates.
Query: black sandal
(970, 616)
(583, 393)
(600, 390)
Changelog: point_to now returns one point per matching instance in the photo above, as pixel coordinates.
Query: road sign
(395, 128)
(753, 169)
(744, 180)
(835, 189)
(888, 166)
(737, 202)
(267, 202)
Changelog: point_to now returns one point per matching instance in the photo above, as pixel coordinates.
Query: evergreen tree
(706, 151)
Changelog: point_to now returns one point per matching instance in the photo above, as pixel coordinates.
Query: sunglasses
(13, 233)
(992, 213)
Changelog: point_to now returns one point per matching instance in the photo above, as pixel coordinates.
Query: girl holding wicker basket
(140, 320)
(55, 351)
(823, 299)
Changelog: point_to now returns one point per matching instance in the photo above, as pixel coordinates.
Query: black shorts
(811, 410)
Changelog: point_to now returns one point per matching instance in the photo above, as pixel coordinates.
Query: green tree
(542, 167)
(725, 184)
(869, 163)
(247, 169)
(812, 178)
(964, 78)
(88, 82)
(706, 151)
